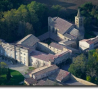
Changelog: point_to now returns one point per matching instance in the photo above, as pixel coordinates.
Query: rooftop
(91, 40)
(50, 68)
(59, 75)
(43, 56)
(29, 40)
(69, 36)
(47, 82)
(56, 45)
(41, 82)
(62, 74)
(61, 24)
(30, 81)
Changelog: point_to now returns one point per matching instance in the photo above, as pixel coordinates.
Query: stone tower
(79, 25)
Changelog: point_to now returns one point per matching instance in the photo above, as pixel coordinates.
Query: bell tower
(79, 24)
(79, 20)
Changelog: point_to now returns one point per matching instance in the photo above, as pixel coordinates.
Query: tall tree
(8, 76)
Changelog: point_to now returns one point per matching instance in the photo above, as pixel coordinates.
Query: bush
(88, 78)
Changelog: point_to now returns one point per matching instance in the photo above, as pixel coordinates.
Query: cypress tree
(8, 74)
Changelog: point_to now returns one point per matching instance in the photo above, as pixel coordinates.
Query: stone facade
(48, 54)
(60, 30)
(60, 27)
(88, 44)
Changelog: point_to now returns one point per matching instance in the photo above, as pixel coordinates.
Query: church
(32, 51)
(68, 30)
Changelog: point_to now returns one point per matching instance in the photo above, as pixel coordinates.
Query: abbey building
(32, 51)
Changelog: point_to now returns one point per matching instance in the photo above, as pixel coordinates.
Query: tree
(78, 67)
(8, 76)
(88, 78)
(3, 64)
(55, 9)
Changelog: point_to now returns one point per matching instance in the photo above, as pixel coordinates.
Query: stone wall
(37, 62)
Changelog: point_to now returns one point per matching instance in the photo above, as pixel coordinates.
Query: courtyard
(19, 67)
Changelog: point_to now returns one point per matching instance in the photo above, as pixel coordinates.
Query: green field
(70, 5)
(16, 78)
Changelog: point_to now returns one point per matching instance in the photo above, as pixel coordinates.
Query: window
(24, 58)
(20, 58)
(24, 62)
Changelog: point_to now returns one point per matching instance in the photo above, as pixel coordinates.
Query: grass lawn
(30, 69)
(15, 80)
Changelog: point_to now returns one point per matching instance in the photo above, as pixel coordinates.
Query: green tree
(8, 76)
(88, 78)
(78, 67)
(3, 64)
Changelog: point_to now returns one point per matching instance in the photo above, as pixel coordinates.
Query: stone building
(88, 44)
(30, 51)
(44, 72)
(21, 50)
(65, 29)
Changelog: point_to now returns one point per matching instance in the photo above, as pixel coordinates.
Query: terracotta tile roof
(43, 56)
(61, 24)
(91, 40)
(31, 81)
(47, 82)
(48, 69)
(63, 52)
(56, 45)
(41, 82)
(59, 75)
(62, 74)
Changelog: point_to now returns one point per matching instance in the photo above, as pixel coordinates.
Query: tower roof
(78, 14)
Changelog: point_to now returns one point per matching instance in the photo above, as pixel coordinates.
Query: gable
(29, 40)
(60, 24)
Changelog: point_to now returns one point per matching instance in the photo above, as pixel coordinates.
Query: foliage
(3, 69)
(90, 13)
(9, 4)
(8, 76)
(85, 66)
(78, 66)
(88, 78)
(27, 19)
(15, 80)
(3, 64)
(30, 69)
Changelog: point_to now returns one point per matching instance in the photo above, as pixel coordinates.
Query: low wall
(81, 80)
